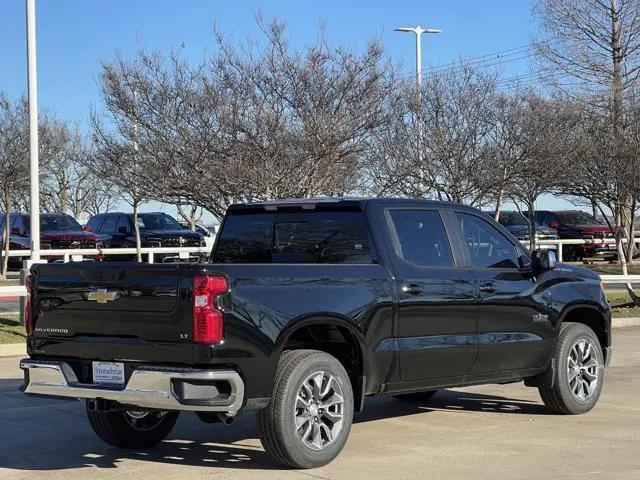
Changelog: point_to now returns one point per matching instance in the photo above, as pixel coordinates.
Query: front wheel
(308, 419)
(132, 429)
(579, 371)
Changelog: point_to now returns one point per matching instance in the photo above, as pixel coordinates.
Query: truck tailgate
(139, 302)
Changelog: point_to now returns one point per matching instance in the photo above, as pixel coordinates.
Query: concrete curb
(624, 322)
(13, 350)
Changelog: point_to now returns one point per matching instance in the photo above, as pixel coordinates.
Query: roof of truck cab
(346, 202)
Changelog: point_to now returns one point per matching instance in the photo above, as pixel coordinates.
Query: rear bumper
(148, 387)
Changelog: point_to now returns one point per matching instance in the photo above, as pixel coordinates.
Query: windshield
(509, 219)
(59, 223)
(578, 218)
(158, 221)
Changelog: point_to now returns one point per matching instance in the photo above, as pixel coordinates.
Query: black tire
(277, 422)
(117, 430)
(562, 397)
(417, 397)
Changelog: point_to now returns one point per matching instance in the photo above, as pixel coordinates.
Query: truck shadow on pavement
(62, 438)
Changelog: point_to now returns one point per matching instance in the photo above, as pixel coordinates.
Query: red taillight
(28, 320)
(207, 318)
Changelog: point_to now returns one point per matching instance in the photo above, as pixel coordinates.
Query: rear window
(320, 237)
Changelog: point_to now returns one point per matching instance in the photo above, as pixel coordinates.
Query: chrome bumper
(148, 387)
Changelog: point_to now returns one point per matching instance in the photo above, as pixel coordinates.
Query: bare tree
(598, 43)
(14, 162)
(118, 162)
(507, 148)
(14, 157)
(191, 214)
(438, 148)
(104, 197)
(263, 121)
(68, 184)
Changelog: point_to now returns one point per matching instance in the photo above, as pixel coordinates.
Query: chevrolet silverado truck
(307, 307)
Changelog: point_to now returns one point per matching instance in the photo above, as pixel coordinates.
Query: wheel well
(337, 341)
(592, 319)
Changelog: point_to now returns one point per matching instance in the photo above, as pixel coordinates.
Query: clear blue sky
(75, 35)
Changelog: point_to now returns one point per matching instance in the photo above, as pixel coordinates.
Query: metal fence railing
(72, 254)
(559, 244)
(185, 252)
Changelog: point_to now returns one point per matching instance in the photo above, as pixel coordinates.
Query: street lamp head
(417, 30)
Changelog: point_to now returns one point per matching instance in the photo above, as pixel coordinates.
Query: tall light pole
(419, 31)
(34, 174)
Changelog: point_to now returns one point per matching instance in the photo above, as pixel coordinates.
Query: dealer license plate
(108, 373)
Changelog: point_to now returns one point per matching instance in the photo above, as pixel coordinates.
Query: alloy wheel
(583, 369)
(319, 410)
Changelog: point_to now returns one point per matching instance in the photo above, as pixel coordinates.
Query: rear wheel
(579, 371)
(308, 419)
(416, 396)
(130, 428)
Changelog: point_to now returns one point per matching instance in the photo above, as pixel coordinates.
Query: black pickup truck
(307, 307)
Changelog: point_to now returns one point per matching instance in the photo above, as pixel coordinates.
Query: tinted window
(109, 226)
(337, 237)
(123, 222)
(510, 219)
(422, 238)
(59, 223)
(488, 248)
(95, 222)
(19, 223)
(157, 221)
(577, 218)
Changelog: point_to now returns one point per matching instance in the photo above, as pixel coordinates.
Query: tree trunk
(617, 89)
(531, 214)
(7, 233)
(496, 212)
(136, 229)
(630, 235)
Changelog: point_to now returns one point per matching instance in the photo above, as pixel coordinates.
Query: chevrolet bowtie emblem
(102, 296)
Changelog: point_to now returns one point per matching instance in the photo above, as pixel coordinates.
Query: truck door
(436, 315)
(513, 327)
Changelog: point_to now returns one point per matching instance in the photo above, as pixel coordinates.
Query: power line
(494, 54)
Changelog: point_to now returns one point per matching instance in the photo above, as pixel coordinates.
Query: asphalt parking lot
(472, 433)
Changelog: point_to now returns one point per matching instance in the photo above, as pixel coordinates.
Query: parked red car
(576, 224)
(57, 231)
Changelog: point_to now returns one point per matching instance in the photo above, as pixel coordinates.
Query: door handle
(412, 289)
(487, 288)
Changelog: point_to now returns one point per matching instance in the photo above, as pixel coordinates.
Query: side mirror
(543, 260)
(16, 231)
(87, 228)
(123, 230)
(554, 224)
(524, 264)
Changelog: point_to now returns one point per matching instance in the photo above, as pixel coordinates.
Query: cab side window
(95, 223)
(123, 224)
(421, 238)
(19, 224)
(488, 248)
(109, 226)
